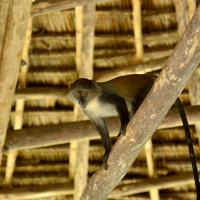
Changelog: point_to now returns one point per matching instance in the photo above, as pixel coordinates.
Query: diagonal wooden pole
(11, 44)
(178, 69)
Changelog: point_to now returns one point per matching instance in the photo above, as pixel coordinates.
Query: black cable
(190, 146)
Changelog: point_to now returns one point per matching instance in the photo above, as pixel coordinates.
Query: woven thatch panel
(52, 65)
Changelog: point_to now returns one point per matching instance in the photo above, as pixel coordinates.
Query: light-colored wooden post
(79, 153)
(191, 7)
(15, 16)
(19, 107)
(154, 193)
(137, 29)
(182, 17)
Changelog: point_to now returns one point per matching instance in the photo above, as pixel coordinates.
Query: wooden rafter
(18, 13)
(72, 131)
(168, 85)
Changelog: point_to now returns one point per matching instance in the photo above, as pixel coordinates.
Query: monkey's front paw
(122, 130)
(105, 159)
(105, 166)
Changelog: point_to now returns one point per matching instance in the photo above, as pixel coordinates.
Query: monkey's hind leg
(103, 131)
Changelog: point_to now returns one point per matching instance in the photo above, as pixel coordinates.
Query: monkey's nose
(82, 104)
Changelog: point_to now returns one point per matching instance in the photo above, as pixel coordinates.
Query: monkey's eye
(76, 96)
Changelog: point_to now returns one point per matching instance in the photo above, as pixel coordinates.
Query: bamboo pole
(181, 15)
(18, 13)
(191, 7)
(154, 193)
(137, 28)
(166, 89)
(85, 23)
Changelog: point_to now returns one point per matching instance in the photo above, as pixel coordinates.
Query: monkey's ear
(70, 85)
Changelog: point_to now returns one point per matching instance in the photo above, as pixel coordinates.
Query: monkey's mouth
(83, 106)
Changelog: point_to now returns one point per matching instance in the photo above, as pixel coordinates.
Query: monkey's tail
(190, 146)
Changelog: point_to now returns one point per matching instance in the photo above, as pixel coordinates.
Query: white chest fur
(98, 108)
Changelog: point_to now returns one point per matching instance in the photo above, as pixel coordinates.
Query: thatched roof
(52, 67)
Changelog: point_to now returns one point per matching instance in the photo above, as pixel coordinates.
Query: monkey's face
(81, 97)
(83, 91)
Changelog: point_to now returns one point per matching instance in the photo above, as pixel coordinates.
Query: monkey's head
(82, 91)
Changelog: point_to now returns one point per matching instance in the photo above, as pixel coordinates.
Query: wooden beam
(154, 193)
(137, 28)
(37, 192)
(10, 166)
(28, 138)
(19, 107)
(85, 27)
(11, 48)
(4, 7)
(191, 7)
(163, 94)
(181, 15)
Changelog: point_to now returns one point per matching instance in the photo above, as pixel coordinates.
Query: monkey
(120, 96)
(117, 96)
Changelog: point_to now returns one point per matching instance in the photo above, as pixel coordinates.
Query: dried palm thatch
(52, 67)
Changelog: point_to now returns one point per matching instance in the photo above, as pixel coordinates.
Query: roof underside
(52, 67)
